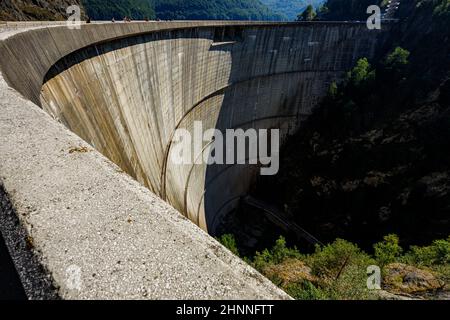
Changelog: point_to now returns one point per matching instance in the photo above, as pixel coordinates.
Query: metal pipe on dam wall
(126, 93)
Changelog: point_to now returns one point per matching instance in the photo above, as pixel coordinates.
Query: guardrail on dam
(124, 89)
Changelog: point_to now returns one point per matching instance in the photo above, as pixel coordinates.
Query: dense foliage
(347, 9)
(309, 14)
(339, 270)
(291, 8)
(181, 9)
(26, 10)
(118, 9)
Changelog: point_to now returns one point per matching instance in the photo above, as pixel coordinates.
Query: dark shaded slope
(118, 9)
(375, 156)
(28, 10)
(10, 285)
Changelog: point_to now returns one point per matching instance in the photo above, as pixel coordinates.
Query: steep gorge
(373, 158)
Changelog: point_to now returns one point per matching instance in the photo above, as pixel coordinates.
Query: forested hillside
(180, 9)
(118, 9)
(141, 9)
(214, 9)
(291, 8)
(348, 9)
(34, 10)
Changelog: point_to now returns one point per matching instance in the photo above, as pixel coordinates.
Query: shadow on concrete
(10, 285)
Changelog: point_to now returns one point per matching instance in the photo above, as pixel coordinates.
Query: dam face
(127, 97)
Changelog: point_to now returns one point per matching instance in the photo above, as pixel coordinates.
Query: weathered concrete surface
(125, 88)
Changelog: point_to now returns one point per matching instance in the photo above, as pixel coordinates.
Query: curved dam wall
(126, 97)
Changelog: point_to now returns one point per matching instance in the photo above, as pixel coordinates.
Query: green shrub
(342, 269)
(339, 269)
(436, 254)
(229, 241)
(333, 90)
(441, 249)
(442, 10)
(397, 58)
(330, 260)
(388, 251)
(279, 253)
(262, 259)
(361, 73)
(305, 291)
(308, 14)
(351, 285)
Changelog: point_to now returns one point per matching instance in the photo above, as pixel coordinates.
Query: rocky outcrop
(405, 279)
(290, 271)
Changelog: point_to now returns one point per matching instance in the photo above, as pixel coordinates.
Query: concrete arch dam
(125, 89)
(127, 95)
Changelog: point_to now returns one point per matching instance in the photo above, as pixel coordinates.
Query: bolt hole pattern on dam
(127, 97)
